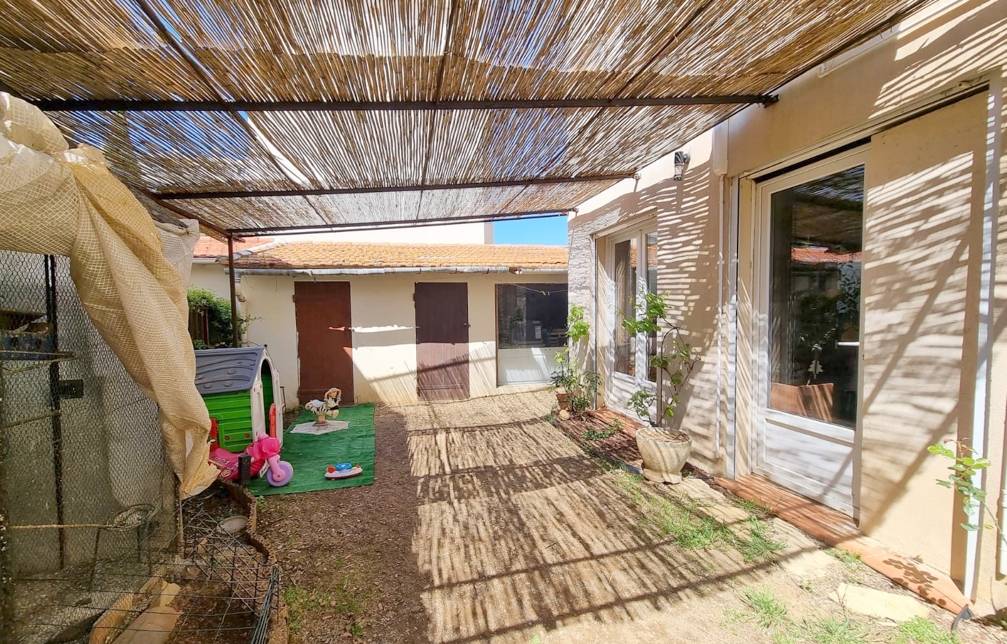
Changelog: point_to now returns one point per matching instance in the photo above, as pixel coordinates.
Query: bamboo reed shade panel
(738, 47)
(166, 151)
(557, 49)
(551, 197)
(258, 212)
(413, 205)
(406, 50)
(378, 206)
(478, 201)
(89, 49)
(468, 145)
(351, 149)
(632, 137)
(309, 49)
(305, 49)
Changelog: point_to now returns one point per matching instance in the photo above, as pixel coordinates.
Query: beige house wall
(384, 331)
(935, 178)
(690, 241)
(212, 277)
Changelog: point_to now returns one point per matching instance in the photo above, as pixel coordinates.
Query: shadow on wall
(920, 292)
(688, 260)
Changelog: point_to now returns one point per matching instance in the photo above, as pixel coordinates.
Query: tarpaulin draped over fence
(58, 201)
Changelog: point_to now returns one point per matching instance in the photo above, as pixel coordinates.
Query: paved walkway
(487, 524)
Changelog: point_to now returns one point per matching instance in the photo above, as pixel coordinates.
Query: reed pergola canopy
(265, 115)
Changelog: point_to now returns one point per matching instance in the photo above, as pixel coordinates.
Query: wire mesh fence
(92, 537)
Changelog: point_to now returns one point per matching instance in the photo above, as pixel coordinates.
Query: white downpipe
(981, 397)
(720, 309)
(991, 198)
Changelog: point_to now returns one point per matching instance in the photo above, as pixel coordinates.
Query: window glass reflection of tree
(651, 264)
(816, 241)
(531, 315)
(625, 305)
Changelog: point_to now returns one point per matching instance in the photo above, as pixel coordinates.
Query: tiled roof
(210, 247)
(819, 255)
(360, 255)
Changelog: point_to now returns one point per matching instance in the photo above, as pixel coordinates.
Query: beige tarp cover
(65, 202)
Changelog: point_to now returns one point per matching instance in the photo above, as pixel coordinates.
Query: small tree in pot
(664, 449)
(575, 389)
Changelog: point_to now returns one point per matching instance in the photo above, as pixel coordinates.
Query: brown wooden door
(442, 340)
(324, 339)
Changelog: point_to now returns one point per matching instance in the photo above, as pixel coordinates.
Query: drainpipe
(991, 198)
(718, 164)
(981, 397)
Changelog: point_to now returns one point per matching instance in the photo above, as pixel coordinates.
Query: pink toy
(265, 453)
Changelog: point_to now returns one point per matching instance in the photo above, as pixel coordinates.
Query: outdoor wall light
(681, 164)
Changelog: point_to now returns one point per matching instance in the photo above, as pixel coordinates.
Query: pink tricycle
(265, 456)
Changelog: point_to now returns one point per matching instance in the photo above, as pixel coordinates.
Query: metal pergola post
(235, 339)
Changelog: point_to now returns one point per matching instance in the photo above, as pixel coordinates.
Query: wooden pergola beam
(129, 105)
(322, 192)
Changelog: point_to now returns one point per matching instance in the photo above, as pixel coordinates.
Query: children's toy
(328, 408)
(239, 387)
(323, 411)
(342, 471)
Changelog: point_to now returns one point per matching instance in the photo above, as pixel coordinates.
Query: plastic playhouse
(241, 389)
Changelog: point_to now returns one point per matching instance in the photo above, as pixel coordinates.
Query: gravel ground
(486, 523)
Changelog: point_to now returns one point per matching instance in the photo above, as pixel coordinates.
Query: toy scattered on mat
(328, 408)
(238, 386)
(323, 410)
(342, 471)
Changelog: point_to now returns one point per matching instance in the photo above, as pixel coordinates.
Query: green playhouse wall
(233, 412)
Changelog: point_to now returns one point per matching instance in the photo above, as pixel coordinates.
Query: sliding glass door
(811, 229)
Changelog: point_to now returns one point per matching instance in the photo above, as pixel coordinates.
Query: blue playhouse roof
(220, 371)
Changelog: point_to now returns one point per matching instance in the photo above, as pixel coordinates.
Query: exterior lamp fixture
(681, 164)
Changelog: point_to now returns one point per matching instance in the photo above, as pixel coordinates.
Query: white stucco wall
(937, 177)
(688, 277)
(212, 277)
(384, 334)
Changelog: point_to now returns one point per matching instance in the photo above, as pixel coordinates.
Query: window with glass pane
(625, 305)
(651, 265)
(816, 232)
(531, 315)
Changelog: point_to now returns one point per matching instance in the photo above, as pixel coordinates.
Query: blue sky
(549, 230)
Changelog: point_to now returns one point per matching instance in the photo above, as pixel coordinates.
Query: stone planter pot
(664, 454)
(563, 399)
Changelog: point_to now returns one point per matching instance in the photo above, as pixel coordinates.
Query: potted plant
(664, 449)
(576, 390)
(563, 380)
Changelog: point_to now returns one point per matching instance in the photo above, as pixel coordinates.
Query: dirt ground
(486, 523)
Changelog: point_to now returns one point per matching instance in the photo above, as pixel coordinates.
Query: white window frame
(624, 384)
(763, 200)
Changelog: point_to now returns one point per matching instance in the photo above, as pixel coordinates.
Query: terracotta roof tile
(820, 255)
(210, 247)
(362, 255)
